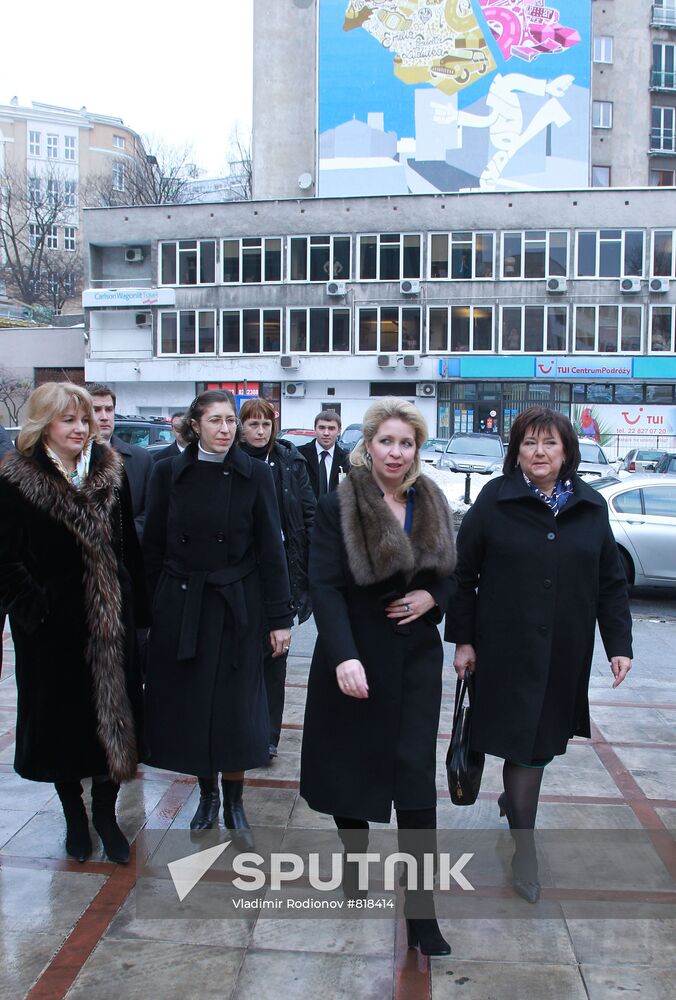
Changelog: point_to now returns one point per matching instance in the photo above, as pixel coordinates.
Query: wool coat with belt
(71, 579)
(530, 589)
(361, 755)
(216, 569)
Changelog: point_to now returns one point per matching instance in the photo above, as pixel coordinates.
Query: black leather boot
(78, 841)
(104, 797)
(207, 810)
(234, 815)
(354, 841)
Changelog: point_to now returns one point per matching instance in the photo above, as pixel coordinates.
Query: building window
(118, 141)
(70, 194)
(33, 235)
(251, 331)
(319, 331)
(188, 331)
(460, 329)
(252, 260)
(664, 13)
(319, 258)
(69, 238)
(461, 255)
(662, 130)
(188, 262)
(52, 192)
(602, 114)
(33, 143)
(52, 242)
(663, 257)
(662, 76)
(52, 146)
(603, 49)
(389, 328)
(118, 176)
(661, 178)
(662, 329)
(69, 147)
(389, 257)
(34, 190)
(608, 329)
(534, 253)
(600, 177)
(69, 283)
(610, 253)
(534, 329)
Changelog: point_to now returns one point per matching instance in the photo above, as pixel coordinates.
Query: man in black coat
(327, 462)
(138, 464)
(177, 445)
(5, 447)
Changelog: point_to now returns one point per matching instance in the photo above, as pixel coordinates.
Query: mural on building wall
(423, 96)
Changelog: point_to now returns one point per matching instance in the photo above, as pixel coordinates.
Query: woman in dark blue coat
(217, 570)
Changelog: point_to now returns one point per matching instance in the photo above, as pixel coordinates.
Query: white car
(643, 518)
(594, 461)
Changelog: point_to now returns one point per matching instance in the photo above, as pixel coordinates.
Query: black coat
(297, 513)
(217, 570)
(360, 756)
(138, 465)
(171, 451)
(543, 583)
(68, 558)
(340, 463)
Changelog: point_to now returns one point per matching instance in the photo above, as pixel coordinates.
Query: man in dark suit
(327, 463)
(177, 445)
(138, 464)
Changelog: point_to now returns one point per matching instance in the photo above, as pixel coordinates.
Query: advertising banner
(583, 368)
(604, 422)
(425, 96)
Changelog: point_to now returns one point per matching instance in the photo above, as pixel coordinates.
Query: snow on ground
(452, 484)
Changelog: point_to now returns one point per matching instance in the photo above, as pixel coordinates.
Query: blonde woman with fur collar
(381, 559)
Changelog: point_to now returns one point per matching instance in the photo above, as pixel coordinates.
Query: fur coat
(69, 565)
(360, 756)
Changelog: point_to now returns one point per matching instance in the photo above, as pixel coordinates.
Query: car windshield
(598, 484)
(649, 456)
(433, 444)
(491, 446)
(592, 453)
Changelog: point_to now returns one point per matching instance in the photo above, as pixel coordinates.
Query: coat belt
(228, 583)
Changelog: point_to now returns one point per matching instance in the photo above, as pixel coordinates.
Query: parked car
(143, 431)
(469, 452)
(594, 461)
(642, 513)
(350, 437)
(432, 449)
(667, 463)
(297, 435)
(640, 460)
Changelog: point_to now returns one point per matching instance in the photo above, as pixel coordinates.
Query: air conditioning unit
(387, 361)
(336, 288)
(427, 389)
(557, 285)
(659, 285)
(289, 361)
(295, 389)
(411, 361)
(629, 286)
(143, 319)
(133, 255)
(409, 286)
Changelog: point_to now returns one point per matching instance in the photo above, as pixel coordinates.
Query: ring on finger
(407, 608)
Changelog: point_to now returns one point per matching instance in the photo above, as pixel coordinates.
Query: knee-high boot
(78, 841)
(104, 797)
(234, 816)
(354, 836)
(417, 836)
(207, 810)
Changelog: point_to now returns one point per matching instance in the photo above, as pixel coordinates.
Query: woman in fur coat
(381, 560)
(69, 558)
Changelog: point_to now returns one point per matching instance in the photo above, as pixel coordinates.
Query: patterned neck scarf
(561, 494)
(78, 477)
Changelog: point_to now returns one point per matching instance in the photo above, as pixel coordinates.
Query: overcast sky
(180, 71)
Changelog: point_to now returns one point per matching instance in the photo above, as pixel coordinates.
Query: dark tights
(522, 790)
(407, 819)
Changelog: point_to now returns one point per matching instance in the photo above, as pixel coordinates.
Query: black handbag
(464, 767)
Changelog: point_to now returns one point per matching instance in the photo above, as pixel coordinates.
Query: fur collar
(88, 515)
(377, 546)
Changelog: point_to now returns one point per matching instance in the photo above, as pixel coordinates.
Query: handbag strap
(462, 687)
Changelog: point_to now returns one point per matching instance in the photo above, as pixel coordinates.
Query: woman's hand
(351, 679)
(411, 606)
(620, 666)
(280, 640)
(464, 659)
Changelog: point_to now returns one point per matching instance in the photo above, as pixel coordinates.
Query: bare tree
(14, 391)
(240, 166)
(155, 174)
(62, 277)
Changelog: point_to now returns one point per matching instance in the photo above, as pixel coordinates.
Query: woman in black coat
(537, 568)
(69, 563)
(297, 503)
(216, 571)
(381, 560)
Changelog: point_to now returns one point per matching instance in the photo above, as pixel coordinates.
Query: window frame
(601, 166)
(672, 348)
(474, 233)
(70, 237)
(177, 262)
(603, 107)
(251, 354)
(546, 308)
(332, 310)
(448, 309)
(34, 144)
(52, 146)
(119, 175)
(119, 141)
(178, 353)
(523, 233)
(601, 57)
(70, 146)
(664, 112)
(52, 238)
(379, 246)
(331, 237)
(70, 194)
(597, 264)
(242, 248)
(379, 349)
(595, 350)
(662, 83)
(653, 238)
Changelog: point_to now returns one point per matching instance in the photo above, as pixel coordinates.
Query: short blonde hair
(45, 404)
(392, 408)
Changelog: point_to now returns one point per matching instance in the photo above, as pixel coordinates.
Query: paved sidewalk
(71, 930)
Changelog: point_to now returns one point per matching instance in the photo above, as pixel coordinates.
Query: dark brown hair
(98, 389)
(198, 407)
(537, 418)
(329, 415)
(260, 409)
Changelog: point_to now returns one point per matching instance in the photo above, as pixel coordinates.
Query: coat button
(543, 629)
(184, 586)
(184, 539)
(547, 584)
(226, 473)
(551, 535)
(220, 537)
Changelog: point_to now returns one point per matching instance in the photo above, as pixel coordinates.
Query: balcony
(662, 143)
(663, 79)
(663, 16)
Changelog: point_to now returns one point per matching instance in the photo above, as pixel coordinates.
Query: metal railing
(663, 16)
(120, 283)
(617, 445)
(662, 79)
(662, 141)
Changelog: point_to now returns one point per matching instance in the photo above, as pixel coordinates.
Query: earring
(368, 459)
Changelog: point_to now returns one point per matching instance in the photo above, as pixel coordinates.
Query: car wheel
(627, 566)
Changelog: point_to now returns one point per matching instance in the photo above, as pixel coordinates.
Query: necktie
(323, 481)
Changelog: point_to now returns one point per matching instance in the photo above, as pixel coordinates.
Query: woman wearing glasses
(216, 570)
